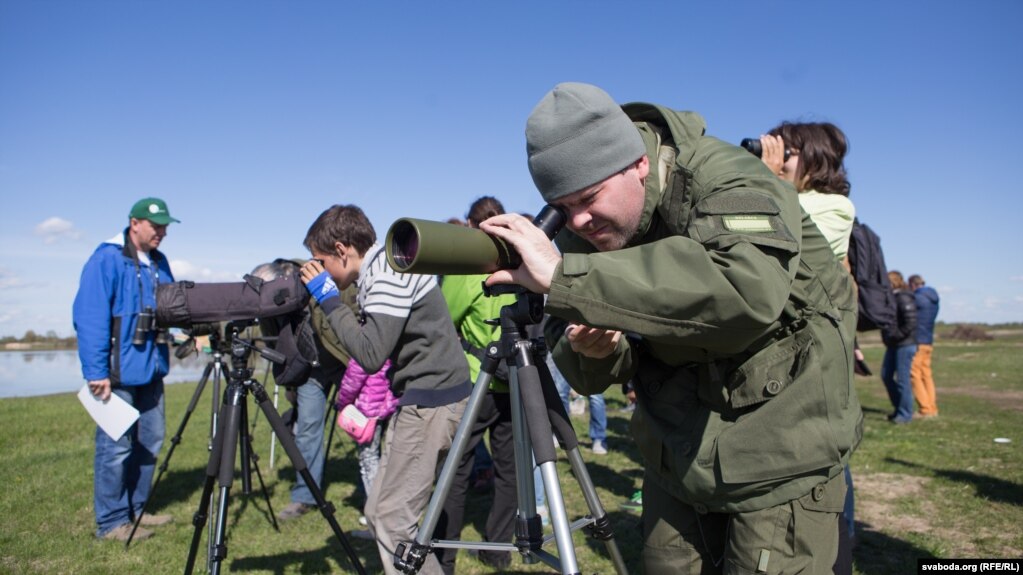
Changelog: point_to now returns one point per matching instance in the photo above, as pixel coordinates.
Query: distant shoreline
(41, 346)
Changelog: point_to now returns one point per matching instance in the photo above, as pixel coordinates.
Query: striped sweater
(404, 317)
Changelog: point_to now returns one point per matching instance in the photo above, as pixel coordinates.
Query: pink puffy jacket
(371, 393)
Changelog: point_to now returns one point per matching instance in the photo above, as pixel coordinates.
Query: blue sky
(250, 118)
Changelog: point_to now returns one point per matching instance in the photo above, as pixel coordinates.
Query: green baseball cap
(152, 209)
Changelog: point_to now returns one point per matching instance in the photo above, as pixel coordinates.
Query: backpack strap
(330, 340)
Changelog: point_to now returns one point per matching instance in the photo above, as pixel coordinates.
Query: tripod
(215, 367)
(535, 406)
(232, 427)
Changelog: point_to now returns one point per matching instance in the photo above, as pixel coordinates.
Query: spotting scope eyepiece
(428, 247)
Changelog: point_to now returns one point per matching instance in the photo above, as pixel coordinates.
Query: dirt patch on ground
(878, 494)
(882, 504)
(1004, 399)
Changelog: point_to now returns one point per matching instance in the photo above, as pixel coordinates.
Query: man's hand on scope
(539, 257)
(592, 342)
(318, 281)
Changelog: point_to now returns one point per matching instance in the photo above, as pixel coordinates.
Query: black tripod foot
(416, 557)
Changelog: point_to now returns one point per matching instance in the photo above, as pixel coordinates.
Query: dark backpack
(876, 299)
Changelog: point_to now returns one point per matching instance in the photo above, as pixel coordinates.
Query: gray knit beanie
(577, 136)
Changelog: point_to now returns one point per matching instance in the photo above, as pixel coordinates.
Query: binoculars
(753, 146)
(427, 247)
(145, 323)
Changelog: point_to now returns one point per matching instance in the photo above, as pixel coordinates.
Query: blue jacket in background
(111, 293)
(926, 314)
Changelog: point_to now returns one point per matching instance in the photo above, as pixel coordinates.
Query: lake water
(26, 373)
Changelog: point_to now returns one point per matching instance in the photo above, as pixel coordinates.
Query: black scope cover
(185, 303)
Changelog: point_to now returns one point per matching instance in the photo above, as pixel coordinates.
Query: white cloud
(8, 280)
(184, 270)
(992, 302)
(55, 229)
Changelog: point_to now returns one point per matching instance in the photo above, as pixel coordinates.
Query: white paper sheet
(114, 416)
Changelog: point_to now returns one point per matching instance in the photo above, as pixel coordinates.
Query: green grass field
(939, 487)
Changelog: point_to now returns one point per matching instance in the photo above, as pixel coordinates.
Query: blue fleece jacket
(111, 293)
(926, 314)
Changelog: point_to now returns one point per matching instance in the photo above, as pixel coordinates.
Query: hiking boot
(599, 448)
(123, 531)
(294, 510)
(635, 503)
(150, 520)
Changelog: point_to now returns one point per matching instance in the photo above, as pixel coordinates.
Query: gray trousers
(417, 439)
(800, 536)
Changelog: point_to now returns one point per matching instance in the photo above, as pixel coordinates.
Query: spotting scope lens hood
(428, 247)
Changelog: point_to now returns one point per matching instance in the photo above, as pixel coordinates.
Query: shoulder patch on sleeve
(747, 224)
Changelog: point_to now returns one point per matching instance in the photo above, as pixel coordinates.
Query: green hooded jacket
(470, 310)
(739, 325)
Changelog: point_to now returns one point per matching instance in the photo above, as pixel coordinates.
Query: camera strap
(131, 252)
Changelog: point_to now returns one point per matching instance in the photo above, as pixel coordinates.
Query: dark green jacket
(740, 325)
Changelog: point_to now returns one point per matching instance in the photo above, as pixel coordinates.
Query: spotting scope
(428, 247)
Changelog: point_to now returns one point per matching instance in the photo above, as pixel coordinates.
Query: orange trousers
(922, 380)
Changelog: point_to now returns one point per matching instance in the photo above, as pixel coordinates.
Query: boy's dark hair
(483, 208)
(346, 224)
(821, 147)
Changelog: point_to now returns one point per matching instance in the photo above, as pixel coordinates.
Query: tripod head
(241, 348)
(527, 309)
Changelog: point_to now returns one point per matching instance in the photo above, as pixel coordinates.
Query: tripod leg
(201, 515)
(329, 419)
(228, 438)
(331, 416)
(299, 463)
(174, 444)
(528, 526)
(421, 546)
(215, 417)
(601, 527)
(273, 437)
(250, 462)
(218, 370)
(527, 378)
(245, 446)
